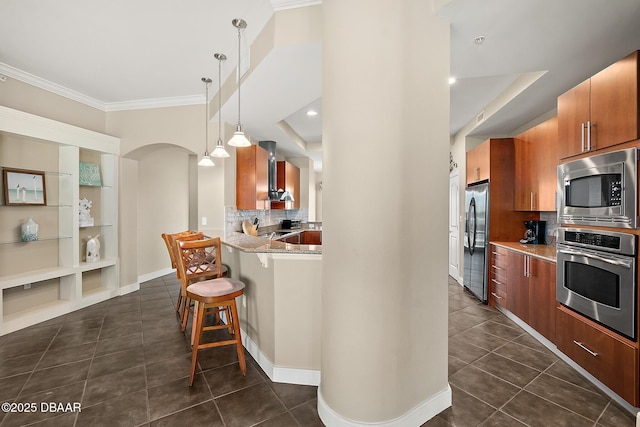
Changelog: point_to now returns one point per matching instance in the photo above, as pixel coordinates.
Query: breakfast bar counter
(280, 311)
(256, 244)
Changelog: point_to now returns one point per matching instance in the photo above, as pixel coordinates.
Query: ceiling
(118, 54)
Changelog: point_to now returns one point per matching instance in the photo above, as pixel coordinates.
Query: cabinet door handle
(531, 200)
(582, 135)
(497, 253)
(496, 295)
(497, 268)
(584, 347)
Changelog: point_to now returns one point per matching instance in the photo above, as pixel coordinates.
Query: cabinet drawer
(498, 293)
(500, 273)
(499, 257)
(609, 359)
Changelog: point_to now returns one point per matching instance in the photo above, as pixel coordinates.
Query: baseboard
(280, 374)
(123, 290)
(155, 274)
(415, 417)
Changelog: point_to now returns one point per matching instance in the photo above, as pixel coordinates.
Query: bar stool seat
(214, 288)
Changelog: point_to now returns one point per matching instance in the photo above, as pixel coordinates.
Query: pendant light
(206, 160)
(239, 139)
(219, 150)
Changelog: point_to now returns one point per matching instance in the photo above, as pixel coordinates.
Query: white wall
(163, 200)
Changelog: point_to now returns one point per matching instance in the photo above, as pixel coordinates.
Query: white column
(385, 202)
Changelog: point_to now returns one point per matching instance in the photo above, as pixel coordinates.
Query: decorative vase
(93, 249)
(29, 230)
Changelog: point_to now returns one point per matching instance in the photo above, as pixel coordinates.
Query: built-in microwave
(599, 190)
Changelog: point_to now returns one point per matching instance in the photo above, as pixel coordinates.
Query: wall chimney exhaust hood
(270, 146)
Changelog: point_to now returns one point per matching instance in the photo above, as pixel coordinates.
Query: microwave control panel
(615, 192)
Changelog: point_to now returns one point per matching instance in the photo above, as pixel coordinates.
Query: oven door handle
(613, 261)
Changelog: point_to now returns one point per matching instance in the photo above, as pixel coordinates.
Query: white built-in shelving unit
(49, 277)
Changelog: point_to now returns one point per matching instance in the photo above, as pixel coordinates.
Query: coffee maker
(535, 232)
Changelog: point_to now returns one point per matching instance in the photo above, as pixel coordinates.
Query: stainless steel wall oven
(596, 276)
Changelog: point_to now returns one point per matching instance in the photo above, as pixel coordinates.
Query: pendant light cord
(219, 101)
(206, 116)
(239, 77)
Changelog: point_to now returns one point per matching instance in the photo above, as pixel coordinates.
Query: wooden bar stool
(170, 241)
(198, 258)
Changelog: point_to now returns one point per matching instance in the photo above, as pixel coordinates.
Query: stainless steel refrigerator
(476, 240)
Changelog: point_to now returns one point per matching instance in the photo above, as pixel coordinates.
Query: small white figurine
(85, 213)
(93, 249)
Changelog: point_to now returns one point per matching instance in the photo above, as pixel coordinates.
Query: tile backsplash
(552, 225)
(233, 217)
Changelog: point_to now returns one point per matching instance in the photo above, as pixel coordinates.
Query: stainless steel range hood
(270, 146)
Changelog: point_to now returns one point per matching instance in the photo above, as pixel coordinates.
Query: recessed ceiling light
(452, 80)
(479, 40)
(312, 113)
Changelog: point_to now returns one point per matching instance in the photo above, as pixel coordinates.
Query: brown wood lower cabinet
(531, 291)
(525, 285)
(542, 297)
(518, 286)
(313, 237)
(606, 356)
(498, 274)
(295, 239)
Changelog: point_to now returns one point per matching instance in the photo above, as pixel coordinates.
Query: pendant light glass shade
(239, 139)
(206, 160)
(219, 151)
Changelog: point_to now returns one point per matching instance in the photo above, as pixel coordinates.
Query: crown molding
(57, 89)
(36, 81)
(142, 104)
(292, 4)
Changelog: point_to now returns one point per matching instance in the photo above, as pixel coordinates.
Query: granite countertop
(257, 244)
(545, 252)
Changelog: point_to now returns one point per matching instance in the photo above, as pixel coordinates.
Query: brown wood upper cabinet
(251, 178)
(494, 160)
(535, 171)
(478, 163)
(600, 112)
(288, 178)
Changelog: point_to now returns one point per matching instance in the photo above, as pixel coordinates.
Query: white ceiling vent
(480, 117)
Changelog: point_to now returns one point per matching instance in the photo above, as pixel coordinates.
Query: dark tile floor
(127, 363)
(501, 376)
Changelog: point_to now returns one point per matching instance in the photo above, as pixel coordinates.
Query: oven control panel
(610, 241)
(592, 239)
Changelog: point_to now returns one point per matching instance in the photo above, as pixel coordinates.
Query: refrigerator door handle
(473, 226)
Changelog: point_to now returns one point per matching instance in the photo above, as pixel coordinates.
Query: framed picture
(89, 174)
(23, 187)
